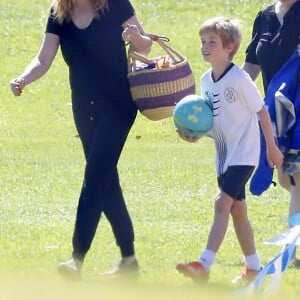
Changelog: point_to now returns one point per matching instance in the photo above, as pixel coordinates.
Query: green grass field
(169, 184)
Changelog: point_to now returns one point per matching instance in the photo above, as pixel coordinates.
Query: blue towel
(283, 101)
(263, 175)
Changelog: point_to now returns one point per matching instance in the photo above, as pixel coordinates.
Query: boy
(236, 103)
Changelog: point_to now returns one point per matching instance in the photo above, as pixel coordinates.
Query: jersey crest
(230, 95)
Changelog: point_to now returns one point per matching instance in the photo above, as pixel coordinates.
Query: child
(236, 103)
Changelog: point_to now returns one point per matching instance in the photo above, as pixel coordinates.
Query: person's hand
(130, 33)
(275, 157)
(188, 138)
(17, 85)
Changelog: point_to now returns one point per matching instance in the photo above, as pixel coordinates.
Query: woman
(276, 35)
(91, 35)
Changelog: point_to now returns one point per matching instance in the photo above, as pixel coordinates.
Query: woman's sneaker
(124, 267)
(194, 270)
(70, 269)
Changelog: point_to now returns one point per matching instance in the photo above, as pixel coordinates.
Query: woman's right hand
(39, 65)
(17, 85)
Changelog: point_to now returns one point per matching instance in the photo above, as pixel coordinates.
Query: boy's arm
(274, 155)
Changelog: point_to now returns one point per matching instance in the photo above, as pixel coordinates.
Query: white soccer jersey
(236, 102)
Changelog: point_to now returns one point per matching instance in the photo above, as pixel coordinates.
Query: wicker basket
(156, 91)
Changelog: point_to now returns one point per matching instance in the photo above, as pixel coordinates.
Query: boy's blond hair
(228, 30)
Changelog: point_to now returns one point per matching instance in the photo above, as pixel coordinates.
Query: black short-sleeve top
(272, 43)
(96, 55)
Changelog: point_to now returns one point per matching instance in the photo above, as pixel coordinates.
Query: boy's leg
(220, 223)
(234, 184)
(199, 270)
(218, 230)
(244, 232)
(242, 227)
(245, 235)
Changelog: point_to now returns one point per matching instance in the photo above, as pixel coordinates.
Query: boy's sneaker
(246, 276)
(70, 269)
(194, 270)
(124, 267)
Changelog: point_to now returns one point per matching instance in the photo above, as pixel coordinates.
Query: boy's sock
(207, 258)
(252, 262)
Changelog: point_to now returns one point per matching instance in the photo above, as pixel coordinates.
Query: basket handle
(162, 42)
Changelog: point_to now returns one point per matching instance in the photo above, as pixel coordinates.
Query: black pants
(103, 132)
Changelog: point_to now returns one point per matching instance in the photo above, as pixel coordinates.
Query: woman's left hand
(133, 32)
(130, 33)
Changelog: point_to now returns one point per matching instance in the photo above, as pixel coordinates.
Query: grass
(169, 184)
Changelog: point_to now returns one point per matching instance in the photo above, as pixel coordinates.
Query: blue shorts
(234, 180)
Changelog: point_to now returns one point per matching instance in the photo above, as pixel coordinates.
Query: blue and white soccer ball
(193, 116)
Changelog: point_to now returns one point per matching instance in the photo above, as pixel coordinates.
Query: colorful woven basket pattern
(156, 91)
